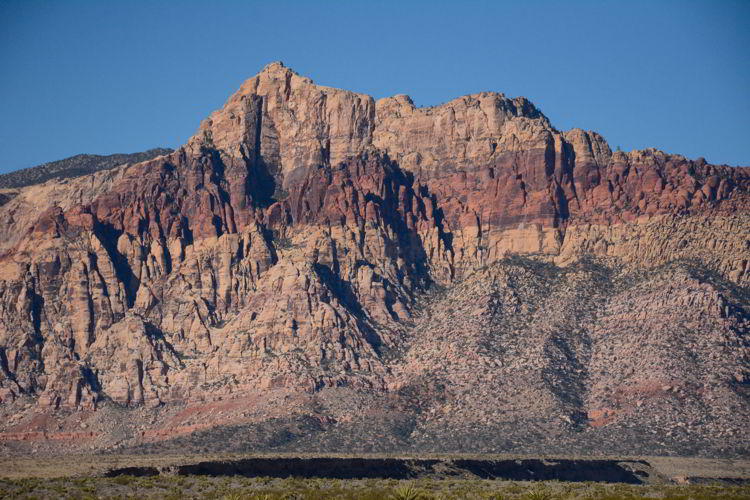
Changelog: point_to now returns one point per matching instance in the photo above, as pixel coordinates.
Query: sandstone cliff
(284, 255)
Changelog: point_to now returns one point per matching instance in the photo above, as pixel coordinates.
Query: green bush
(407, 492)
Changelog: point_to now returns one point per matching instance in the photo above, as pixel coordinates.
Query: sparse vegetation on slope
(74, 166)
(240, 488)
(269, 287)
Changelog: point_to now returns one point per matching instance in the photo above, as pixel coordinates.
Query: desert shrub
(123, 480)
(407, 492)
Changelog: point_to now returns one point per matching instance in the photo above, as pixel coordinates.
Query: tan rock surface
(286, 250)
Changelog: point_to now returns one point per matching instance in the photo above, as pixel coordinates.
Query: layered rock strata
(284, 247)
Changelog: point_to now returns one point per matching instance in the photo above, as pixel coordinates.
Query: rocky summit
(318, 270)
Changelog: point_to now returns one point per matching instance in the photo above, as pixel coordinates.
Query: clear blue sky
(106, 77)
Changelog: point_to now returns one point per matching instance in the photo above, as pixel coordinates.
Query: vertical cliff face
(506, 180)
(165, 253)
(286, 246)
(280, 124)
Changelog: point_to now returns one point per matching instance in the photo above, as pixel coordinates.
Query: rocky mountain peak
(311, 253)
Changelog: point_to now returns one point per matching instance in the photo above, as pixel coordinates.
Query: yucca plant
(407, 492)
(538, 494)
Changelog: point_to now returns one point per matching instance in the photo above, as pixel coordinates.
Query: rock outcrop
(286, 250)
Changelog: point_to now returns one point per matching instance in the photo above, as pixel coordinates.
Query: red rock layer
(284, 245)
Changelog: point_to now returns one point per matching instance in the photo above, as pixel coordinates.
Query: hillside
(317, 270)
(74, 166)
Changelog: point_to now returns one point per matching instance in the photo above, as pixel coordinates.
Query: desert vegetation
(75, 166)
(266, 488)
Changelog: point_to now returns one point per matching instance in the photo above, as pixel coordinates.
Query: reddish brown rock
(285, 249)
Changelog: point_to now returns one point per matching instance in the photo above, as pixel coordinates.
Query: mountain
(74, 166)
(317, 270)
